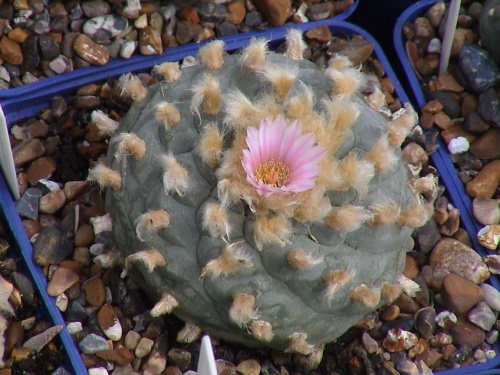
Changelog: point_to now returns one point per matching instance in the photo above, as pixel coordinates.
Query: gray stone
(482, 316)
(211, 12)
(95, 8)
(474, 123)
(25, 286)
(60, 64)
(102, 28)
(226, 28)
(488, 106)
(491, 296)
(31, 53)
(27, 206)
(450, 105)
(92, 343)
(478, 67)
(50, 247)
(318, 12)
(49, 49)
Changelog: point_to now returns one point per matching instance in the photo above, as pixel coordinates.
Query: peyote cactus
(261, 198)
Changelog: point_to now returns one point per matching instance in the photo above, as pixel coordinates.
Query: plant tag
(206, 362)
(6, 158)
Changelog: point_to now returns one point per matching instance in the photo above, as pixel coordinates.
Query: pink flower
(279, 158)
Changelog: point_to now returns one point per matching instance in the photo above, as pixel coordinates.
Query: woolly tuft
(339, 62)
(132, 87)
(169, 71)
(414, 216)
(167, 114)
(356, 173)
(189, 333)
(242, 309)
(381, 156)
(254, 55)
(405, 117)
(232, 259)
(281, 79)
(104, 123)
(175, 176)
(105, 177)
(408, 286)
(165, 305)
(151, 258)
(336, 280)
(216, 221)
(211, 145)
(273, 230)
(348, 218)
(314, 206)
(151, 222)
(390, 292)
(207, 94)
(376, 99)
(369, 298)
(211, 54)
(240, 111)
(262, 330)
(385, 213)
(300, 106)
(426, 186)
(129, 144)
(302, 260)
(346, 82)
(295, 45)
(297, 343)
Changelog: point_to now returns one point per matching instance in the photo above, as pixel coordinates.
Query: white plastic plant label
(206, 362)
(6, 157)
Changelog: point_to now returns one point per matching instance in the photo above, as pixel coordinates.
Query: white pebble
(141, 22)
(114, 333)
(434, 46)
(98, 371)
(188, 61)
(62, 302)
(97, 249)
(458, 145)
(74, 327)
(128, 48)
(491, 296)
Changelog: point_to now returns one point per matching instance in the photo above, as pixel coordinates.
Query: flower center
(273, 173)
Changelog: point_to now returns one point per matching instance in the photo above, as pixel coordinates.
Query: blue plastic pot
(31, 104)
(447, 171)
(119, 64)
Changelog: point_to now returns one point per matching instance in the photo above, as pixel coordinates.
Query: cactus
(262, 199)
(489, 28)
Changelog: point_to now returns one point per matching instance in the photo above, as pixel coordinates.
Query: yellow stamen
(273, 173)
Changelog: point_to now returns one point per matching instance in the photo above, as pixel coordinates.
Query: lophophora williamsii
(260, 198)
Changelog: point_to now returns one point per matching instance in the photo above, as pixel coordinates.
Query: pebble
(10, 51)
(467, 334)
(132, 338)
(486, 210)
(179, 357)
(488, 106)
(27, 151)
(482, 316)
(93, 343)
(452, 256)
(474, 123)
(50, 247)
(249, 367)
(28, 205)
(143, 347)
(84, 235)
(460, 294)
(486, 145)
(275, 11)
(478, 67)
(491, 296)
(41, 168)
(156, 363)
(109, 322)
(52, 202)
(150, 41)
(61, 280)
(121, 356)
(98, 371)
(95, 291)
(486, 182)
(102, 28)
(90, 51)
(425, 321)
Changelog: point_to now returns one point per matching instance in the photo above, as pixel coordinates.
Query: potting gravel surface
(42, 39)
(435, 329)
(462, 106)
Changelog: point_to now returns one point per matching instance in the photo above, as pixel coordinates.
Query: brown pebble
(235, 12)
(460, 294)
(42, 167)
(84, 235)
(73, 189)
(390, 313)
(486, 146)
(433, 107)
(455, 131)
(61, 280)
(95, 291)
(27, 151)
(486, 182)
(179, 357)
(121, 356)
(10, 51)
(172, 370)
(189, 14)
(276, 11)
(357, 50)
(442, 120)
(452, 256)
(430, 357)
(150, 41)
(322, 34)
(249, 367)
(467, 334)
(469, 104)
(446, 82)
(450, 227)
(411, 268)
(90, 51)
(31, 227)
(52, 202)
(14, 336)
